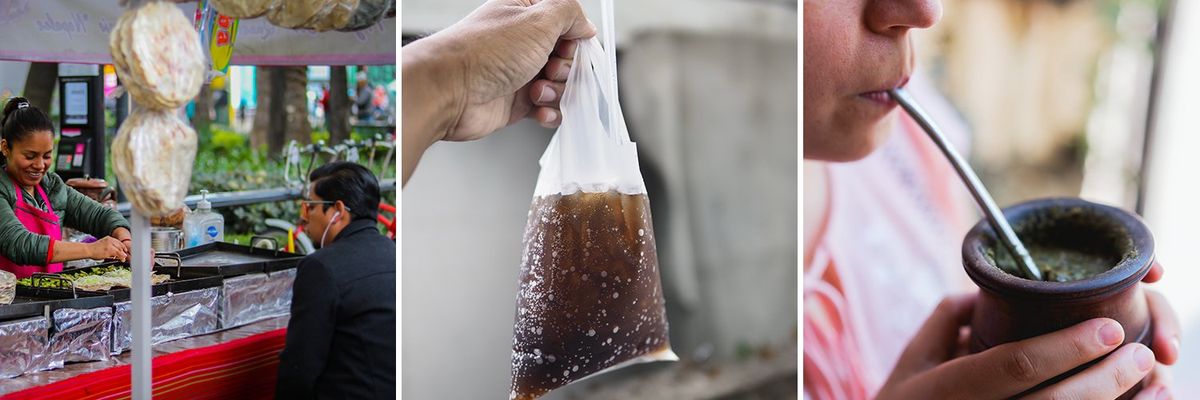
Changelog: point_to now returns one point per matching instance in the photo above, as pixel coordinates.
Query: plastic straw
(609, 32)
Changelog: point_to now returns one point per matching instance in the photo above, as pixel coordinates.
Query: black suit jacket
(341, 339)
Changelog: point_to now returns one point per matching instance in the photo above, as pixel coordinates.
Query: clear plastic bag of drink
(590, 299)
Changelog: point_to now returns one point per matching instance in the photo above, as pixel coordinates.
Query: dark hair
(351, 183)
(20, 120)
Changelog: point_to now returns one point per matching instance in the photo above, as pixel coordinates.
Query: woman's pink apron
(38, 222)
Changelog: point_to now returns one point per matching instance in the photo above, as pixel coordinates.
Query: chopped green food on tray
(115, 278)
(93, 279)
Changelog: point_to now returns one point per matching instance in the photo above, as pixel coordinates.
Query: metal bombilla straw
(978, 191)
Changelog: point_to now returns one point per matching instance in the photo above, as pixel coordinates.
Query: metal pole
(256, 196)
(140, 295)
(994, 216)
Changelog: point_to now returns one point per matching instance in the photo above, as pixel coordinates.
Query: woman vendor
(35, 203)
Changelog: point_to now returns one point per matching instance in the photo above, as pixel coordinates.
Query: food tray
(175, 285)
(228, 259)
(30, 302)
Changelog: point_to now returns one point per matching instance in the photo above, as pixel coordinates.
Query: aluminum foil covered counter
(23, 346)
(174, 316)
(253, 297)
(80, 335)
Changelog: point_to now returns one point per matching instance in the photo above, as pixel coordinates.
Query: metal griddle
(31, 303)
(176, 284)
(228, 259)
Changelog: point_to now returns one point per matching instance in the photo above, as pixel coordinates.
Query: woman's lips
(879, 97)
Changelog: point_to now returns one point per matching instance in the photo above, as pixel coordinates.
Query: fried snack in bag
(8, 287)
(243, 8)
(590, 299)
(367, 13)
(293, 14)
(152, 156)
(157, 55)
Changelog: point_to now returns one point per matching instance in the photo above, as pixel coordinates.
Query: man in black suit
(341, 339)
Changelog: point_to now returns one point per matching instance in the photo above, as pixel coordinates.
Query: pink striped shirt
(887, 250)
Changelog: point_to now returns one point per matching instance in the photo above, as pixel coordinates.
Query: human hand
(505, 61)
(934, 365)
(124, 236)
(108, 248)
(1165, 343)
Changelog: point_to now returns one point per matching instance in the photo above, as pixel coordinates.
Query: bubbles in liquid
(591, 237)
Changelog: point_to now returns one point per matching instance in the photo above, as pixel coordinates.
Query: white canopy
(77, 32)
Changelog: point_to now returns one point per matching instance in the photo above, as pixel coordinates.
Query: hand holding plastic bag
(590, 298)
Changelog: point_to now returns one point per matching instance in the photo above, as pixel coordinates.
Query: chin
(851, 145)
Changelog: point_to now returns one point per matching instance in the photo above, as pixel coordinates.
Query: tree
(296, 106)
(262, 82)
(277, 117)
(338, 114)
(282, 113)
(40, 84)
(202, 110)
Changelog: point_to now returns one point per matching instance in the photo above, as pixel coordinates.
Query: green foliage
(319, 135)
(227, 164)
(110, 122)
(238, 238)
(363, 132)
(226, 140)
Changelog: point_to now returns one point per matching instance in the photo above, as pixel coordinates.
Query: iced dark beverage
(590, 297)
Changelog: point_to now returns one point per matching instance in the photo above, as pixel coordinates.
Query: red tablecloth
(244, 369)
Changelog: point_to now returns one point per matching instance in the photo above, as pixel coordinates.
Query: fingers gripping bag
(589, 298)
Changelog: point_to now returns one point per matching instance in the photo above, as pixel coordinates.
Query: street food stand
(217, 318)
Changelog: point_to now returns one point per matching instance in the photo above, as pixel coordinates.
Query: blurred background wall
(1171, 190)
(708, 88)
(1050, 88)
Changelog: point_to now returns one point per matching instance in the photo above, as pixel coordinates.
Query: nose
(895, 17)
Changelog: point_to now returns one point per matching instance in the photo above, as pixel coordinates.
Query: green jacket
(74, 210)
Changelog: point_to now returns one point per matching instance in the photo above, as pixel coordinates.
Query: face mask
(329, 225)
